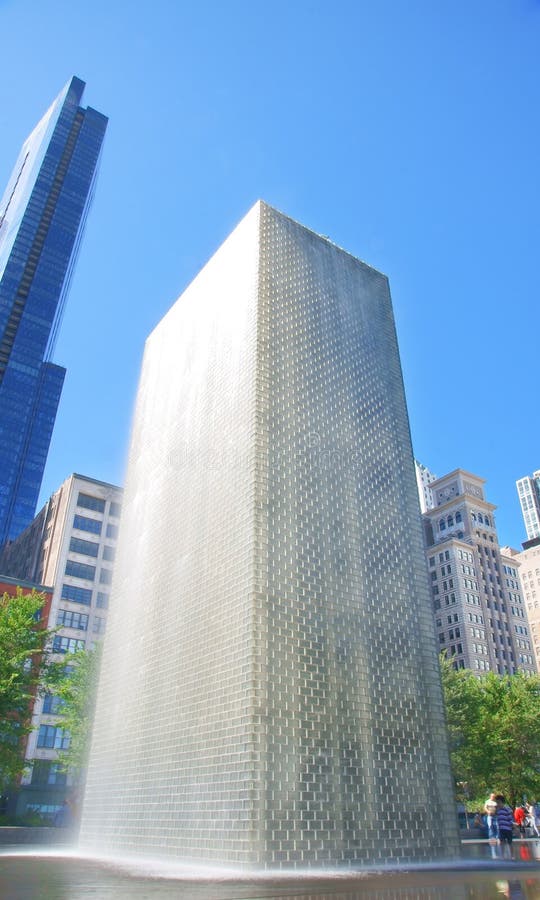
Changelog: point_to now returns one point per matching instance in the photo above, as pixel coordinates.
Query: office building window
(76, 594)
(102, 601)
(115, 509)
(88, 502)
(99, 625)
(51, 704)
(83, 523)
(105, 576)
(66, 645)
(53, 738)
(46, 772)
(71, 619)
(109, 553)
(89, 548)
(80, 570)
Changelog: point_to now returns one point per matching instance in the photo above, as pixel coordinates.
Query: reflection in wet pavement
(25, 876)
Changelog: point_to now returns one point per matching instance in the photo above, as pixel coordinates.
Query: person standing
(531, 819)
(490, 810)
(520, 816)
(505, 822)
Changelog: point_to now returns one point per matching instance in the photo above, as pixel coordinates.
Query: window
(66, 645)
(102, 601)
(52, 737)
(83, 523)
(76, 594)
(80, 570)
(109, 553)
(45, 772)
(112, 531)
(442, 525)
(89, 548)
(51, 704)
(88, 502)
(105, 576)
(71, 619)
(99, 625)
(458, 517)
(115, 509)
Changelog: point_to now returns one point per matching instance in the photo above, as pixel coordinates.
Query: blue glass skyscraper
(42, 214)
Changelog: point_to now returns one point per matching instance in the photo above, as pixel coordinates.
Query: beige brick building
(478, 608)
(70, 545)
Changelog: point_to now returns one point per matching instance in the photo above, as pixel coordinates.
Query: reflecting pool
(25, 875)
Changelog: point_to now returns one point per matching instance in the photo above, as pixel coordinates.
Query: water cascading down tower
(270, 682)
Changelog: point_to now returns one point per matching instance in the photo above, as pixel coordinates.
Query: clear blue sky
(405, 130)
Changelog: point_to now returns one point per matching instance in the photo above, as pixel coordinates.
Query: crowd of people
(501, 822)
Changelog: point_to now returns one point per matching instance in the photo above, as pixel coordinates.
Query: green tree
(23, 639)
(494, 732)
(76, 686)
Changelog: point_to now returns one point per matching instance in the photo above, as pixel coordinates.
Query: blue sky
(405, 130)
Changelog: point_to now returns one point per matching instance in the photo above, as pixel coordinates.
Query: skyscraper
(424, 480)
(479, 612)
(528, 489)
(270, 680)
(42, 214)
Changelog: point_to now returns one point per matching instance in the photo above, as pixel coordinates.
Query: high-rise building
(70, 545)
(42, 214)
(270, 679)
(528, 489)
(424, 480)
(480, 616)
(528, 563)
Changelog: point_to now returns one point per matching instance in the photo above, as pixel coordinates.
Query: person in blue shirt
(505, 821)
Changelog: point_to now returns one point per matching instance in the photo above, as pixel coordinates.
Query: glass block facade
(270, 694)
(41, 217)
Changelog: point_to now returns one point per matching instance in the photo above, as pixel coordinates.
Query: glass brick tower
(41, 217)
(270, 683)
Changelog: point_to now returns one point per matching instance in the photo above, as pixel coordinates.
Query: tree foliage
(494, 732)
(23, 639)
(76, 687)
